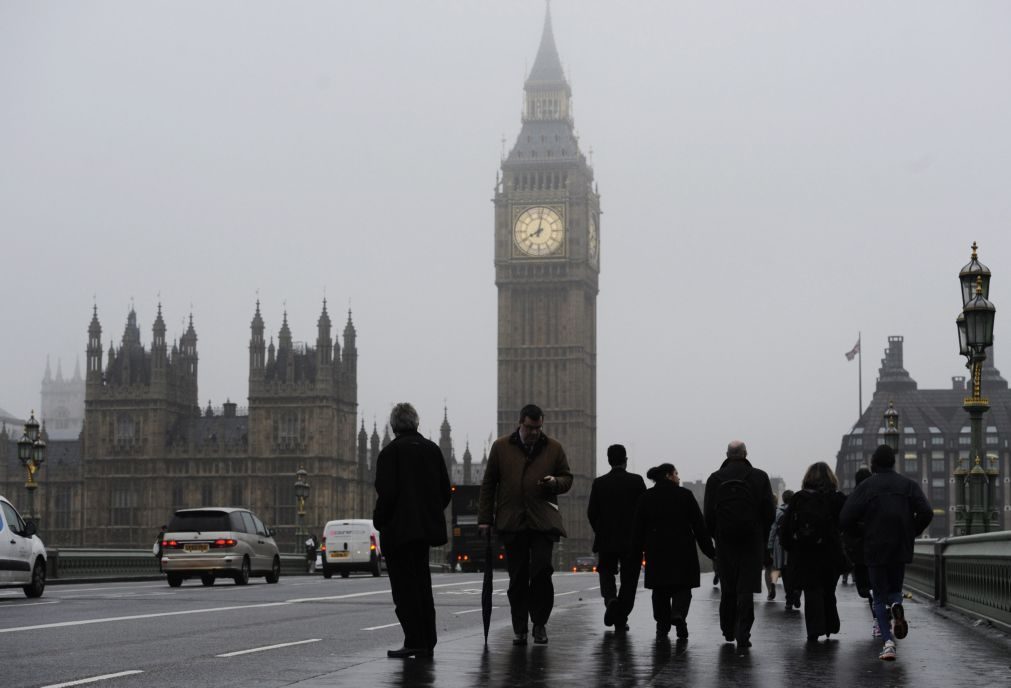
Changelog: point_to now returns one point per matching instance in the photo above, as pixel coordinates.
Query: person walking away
(810, 533)
(739, 511)
(613, 498)
(310, 552)
(157, 549)
(853, 544)
(770, 584)
(894, 512)
(667, 527)
(412, 492)
(526, 472)
(780, 558)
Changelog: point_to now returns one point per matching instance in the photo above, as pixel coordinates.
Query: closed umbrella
(486, 586)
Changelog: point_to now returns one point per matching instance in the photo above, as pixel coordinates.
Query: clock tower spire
(547, 219)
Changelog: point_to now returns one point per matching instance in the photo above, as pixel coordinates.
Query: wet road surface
(581, 652)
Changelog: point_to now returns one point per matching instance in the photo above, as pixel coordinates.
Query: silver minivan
(214, 542)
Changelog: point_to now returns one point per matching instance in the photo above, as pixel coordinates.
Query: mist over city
(774, 181)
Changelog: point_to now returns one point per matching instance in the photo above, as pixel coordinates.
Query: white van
(351, 545)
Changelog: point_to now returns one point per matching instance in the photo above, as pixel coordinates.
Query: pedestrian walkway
(582, 653)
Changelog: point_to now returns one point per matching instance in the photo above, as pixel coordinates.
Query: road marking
(93, 679)
(469, 611)
(268, 647)
(570, 592)
(595, 587)
(238, 607)
(376, 628)
(34, 604)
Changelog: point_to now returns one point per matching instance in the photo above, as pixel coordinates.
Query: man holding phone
(526, 472)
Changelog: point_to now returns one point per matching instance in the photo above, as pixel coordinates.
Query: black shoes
(540, 634)
(520, 639)
(662, 629)
(772, 595)
(610, 611)
(405, 652)
(681, 626)
(900, 629)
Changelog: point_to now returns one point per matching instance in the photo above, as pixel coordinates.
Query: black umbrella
(486, 586)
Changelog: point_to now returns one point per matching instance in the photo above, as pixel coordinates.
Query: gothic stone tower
(302, 411)
(547, 219)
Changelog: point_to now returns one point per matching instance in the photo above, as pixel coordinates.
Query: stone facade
(62, 408)
(147, 449)
(547, 219)
(934, 435)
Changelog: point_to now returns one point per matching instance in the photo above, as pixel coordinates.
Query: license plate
(196, 548)
(339, 555)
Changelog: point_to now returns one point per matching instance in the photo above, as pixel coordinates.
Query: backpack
(736, 510)
(811, 522)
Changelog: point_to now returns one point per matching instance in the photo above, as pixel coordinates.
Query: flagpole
(860, 376)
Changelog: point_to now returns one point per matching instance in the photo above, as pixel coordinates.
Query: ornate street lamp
(891, 433)
(301, 493)
(975, 336)
(32, 453)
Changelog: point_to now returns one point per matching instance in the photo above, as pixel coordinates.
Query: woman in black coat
(810, 533)
(668, 524)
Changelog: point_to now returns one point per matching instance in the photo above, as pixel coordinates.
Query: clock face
(539, 231)
(593, 240)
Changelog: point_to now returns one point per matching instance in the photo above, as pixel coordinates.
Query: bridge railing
(971, 573)
(81, 563)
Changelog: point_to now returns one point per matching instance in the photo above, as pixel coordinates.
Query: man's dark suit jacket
(412, 492)
(613, 497)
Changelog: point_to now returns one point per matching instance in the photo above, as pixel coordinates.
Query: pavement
(940, 650)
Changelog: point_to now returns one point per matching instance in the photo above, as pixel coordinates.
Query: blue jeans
(886, 587)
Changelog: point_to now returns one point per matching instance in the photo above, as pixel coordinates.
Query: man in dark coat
(667, 527)
(613, 497)
(412, 492)
(739, 510)
(526, 472)
(893, 512)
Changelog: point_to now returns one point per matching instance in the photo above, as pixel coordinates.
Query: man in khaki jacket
(526, 472)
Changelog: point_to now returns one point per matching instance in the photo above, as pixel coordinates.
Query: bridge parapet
(971, 573)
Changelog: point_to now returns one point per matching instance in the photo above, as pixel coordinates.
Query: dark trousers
(610, 564)
(886, 586)
(821, 615)
(792, 594)
(531, 593)
(740, 574)
(411, 585)
(670, 603)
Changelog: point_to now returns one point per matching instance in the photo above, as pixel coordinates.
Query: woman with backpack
(809, 531)
(667, 525)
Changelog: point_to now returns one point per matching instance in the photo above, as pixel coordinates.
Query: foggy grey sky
(775, 177)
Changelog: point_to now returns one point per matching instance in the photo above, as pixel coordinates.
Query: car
(218, 542)
(22, 554)
(584, 564)
(351, 545)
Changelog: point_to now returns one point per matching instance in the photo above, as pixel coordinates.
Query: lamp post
(891, 433)
(975, 336)
(32, 453)
(301, 493)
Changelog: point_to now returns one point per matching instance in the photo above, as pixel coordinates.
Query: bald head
(737, 450)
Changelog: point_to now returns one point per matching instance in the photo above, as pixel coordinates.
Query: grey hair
(403, 418)
(737, 450)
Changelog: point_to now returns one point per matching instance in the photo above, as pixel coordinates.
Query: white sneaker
(875, 630)
(888, 651)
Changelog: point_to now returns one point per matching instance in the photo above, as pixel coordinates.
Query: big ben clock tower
(547, 243)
